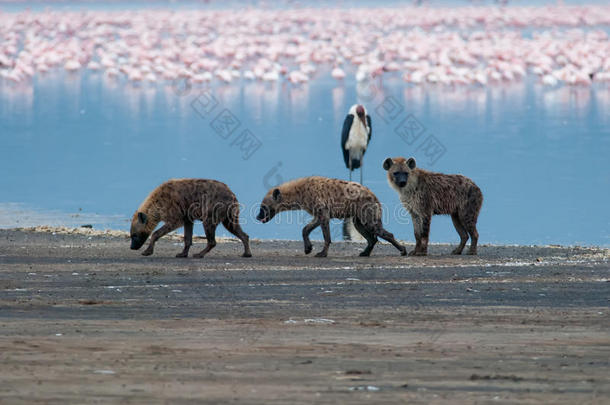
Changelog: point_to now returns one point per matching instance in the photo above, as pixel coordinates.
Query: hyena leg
(324, 223)
(368, 235)
(471, 214)
(416, 219)
(210, 234)
(164, 230)
(421, 227)
(457, 223)
(471, 227)
(425, 235)
(383, 234)
(188, 238)
(306, 231)
(234, 227)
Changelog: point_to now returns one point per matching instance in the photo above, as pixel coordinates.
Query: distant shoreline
(75, 5)
(177, 237)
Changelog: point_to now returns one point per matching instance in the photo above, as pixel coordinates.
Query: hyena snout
(265, 214)
(400, 178)
(270, 206)
(137, 240)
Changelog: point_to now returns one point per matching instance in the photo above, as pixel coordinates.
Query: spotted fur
(425, 193)
(325, 198)
(180, 202)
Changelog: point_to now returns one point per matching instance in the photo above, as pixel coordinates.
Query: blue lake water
(81, 148)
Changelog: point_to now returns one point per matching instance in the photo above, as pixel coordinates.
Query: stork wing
(347, 125)
(368, 120)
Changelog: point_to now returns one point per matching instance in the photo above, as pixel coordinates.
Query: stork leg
(361, 165)
(350, 167)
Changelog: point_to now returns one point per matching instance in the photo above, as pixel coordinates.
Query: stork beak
(361, 117)
(360, 114)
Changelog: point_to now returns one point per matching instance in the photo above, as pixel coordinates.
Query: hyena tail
(231, 223)
(475, 201)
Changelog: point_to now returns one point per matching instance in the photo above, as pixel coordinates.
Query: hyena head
(139, 230)
(399, 169)
(271, 205)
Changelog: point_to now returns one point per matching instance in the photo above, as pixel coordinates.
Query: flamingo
(338, 73)
(72, 65)
(549, 80)
(258, 46)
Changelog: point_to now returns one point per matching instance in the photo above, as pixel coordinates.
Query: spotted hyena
(178, 203)
(325, 198)
(425, 193)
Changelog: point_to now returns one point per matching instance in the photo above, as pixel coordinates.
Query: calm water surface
(80, 148)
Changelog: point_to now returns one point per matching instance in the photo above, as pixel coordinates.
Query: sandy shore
(84, 319)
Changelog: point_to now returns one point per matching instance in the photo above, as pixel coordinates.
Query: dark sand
(85, 320)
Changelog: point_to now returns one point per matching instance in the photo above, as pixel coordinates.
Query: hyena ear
(277, 195)
(387, 163)
(411, 163)
(142, 217)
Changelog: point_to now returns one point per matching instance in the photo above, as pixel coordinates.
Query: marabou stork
(355, 137)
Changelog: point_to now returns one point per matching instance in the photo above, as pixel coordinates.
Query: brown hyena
(325, 198)
(179, 203)
(425, 193)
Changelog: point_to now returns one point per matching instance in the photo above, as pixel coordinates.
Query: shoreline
(177, 236)
(288, 254)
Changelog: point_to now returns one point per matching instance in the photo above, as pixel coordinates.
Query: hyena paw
(182, 254)
(199, 255)
(456, 251)
(417, 253)
(147, 252)
(472, 252)
(321, 254)
(247, 254)
(364, 254)
(308, 249)
(403, 252)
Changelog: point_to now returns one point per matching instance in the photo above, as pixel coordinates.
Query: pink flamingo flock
(443, 46)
